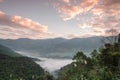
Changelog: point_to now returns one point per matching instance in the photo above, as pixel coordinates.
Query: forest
(102, 64)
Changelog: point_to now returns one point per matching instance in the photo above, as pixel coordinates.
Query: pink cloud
(28, 23)
(13, 27)
(106, 17)
(18, 27)
(69, 11)
(66, 1)
(20, 22)
(105, 14)
(99, 10)
(1, 0)
(88, 4)
(84, 26)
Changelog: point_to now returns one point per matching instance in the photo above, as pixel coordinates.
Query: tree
(80, 57)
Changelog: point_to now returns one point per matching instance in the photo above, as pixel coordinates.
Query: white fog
(49, 64)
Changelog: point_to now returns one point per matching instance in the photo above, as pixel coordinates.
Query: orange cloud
(1, 13)
(106, 17)
(110, 20)
(105, 14)
(66, 1)
(88, 4)
(18, 27)
(19, 22)
(28, 23)
(69, 11)
(1, 0)
(98, 10)
(13, 27)
(84, 26)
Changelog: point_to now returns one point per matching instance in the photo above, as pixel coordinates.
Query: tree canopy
(103, 64)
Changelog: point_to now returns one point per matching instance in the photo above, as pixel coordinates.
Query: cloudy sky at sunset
(38, 19)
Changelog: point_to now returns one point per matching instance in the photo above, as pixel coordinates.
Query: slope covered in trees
(101, 65)
(8, 51)
(19, 68)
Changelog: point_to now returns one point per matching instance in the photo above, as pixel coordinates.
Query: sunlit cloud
(19, 22)
(28, 23)
(91, 17)
(69, 11)
(98, 10)
(84, 26)
(66, 1)
(7, 32)
(88, 4)
(1, 0)
(105, 15)
(18, 27)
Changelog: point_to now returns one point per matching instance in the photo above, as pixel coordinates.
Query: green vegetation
(9, 52)
(19, 68)
(103, 64)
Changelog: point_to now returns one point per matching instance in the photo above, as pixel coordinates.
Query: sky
(41, 19)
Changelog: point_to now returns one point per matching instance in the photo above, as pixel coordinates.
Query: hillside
(15, 67)
(7, 51)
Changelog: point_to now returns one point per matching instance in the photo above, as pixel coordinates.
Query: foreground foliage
(101, 65)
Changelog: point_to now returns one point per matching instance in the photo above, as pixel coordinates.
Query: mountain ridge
(53, 46)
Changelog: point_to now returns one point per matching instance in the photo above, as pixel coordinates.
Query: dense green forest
(103, 64)
(16, 67)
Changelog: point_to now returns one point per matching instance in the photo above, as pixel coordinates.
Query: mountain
(53, 47)
(7, 51)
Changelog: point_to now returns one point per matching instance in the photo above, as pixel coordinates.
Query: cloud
(1, 0)
(18, 27)
(7, 32)
(104, 15)
(13, 27)
(28, 23)
(66, 1)
(98, 10)
(84, 26)
(19, 22)
(69, 11)
(88, 4)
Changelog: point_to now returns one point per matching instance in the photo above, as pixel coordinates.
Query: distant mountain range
(53, 47)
